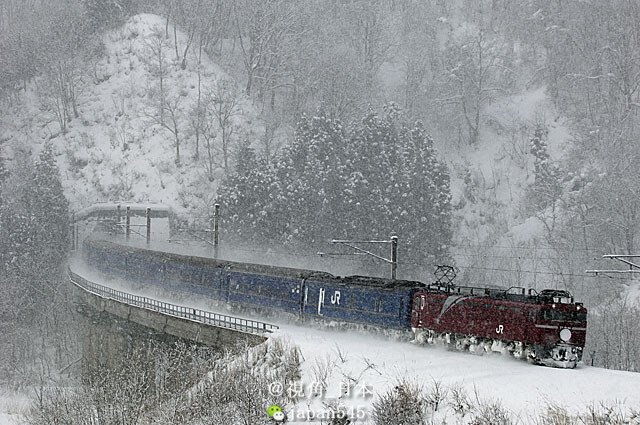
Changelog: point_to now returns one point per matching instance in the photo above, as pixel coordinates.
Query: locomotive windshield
(563, 316)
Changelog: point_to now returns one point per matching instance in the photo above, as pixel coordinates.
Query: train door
(320, 301)
(304, 296)
(419, 303)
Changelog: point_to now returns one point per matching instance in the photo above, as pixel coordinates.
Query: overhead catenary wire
(460, 267)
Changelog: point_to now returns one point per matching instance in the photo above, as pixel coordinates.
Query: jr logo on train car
(335, 298)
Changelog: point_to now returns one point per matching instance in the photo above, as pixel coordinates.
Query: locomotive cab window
(577, 316)
(553, 315)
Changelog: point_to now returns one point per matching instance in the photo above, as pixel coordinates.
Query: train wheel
(450, 340)
(517, 350)
(530, 355)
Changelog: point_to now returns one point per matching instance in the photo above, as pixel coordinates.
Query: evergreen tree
(426, 200)
(249, 194)
(312, 170)
(372, 148)
(34, 220)
(546, 188)
(47, 211)
(543, 169)
(379, 178)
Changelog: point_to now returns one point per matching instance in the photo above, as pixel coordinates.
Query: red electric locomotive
(545, 328)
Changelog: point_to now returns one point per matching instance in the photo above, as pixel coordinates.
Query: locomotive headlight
(553, 306)
(578, 308)
(565, 335)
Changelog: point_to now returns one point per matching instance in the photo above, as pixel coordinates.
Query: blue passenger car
(206, 278)
(360, 301)
(371, 301)
(262, 290)
(144, 268)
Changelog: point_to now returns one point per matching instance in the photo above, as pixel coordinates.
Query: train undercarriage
(561, 355)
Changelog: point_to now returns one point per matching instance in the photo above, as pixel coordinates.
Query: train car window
(502, 307)
(401, 307)
(516, 309)
(173, 272)
(380, 305)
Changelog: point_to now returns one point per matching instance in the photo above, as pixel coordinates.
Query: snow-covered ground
(524, 389)
(376, 362)
(12, 406)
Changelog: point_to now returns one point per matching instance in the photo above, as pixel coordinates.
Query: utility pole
(394, 256)
(128, 222)
(216, 218)
(148, 225)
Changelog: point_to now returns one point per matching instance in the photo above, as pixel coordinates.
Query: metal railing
(201, 316)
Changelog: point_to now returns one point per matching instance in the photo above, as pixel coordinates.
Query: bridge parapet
(174, 319)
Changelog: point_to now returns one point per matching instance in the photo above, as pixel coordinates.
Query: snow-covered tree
(546, 191)
(248, 197)
(35, 232)
(473, 73)
(311, 171)
(48, 209)
(372, 180)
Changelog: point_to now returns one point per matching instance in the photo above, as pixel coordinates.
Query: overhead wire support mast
(360, 251)
(633, 267)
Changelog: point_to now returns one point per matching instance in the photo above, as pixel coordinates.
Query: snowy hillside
(118, 149)
(497, 171)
